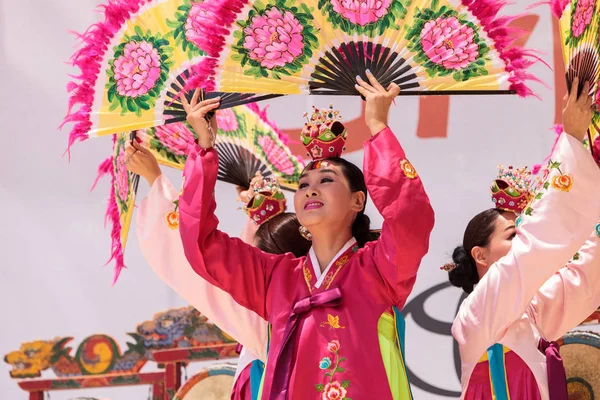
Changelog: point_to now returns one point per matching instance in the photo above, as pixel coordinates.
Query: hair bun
(465, 274)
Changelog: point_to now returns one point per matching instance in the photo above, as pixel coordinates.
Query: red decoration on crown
(266, 202)
(513, 189)
(323, 135)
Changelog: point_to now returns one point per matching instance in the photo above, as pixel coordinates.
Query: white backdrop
(53, 243)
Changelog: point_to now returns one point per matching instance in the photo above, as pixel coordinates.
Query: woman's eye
(302, 185)
(326, 180)
(511, 237)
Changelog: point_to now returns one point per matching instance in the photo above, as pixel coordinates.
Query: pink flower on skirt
(334, 391)
(226, 120)
(274, 39)
(276, 155)
(122, 176)
(137, 70)
(448, 43)
(177, 137)
(583, 16)
(361, 12)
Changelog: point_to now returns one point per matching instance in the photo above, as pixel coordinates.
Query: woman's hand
(577, 111)
(142, 162)
(379, 101)
(196, 117)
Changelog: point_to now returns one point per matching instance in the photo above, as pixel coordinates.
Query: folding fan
(580, 33)
(320, 46)
(121, 201)
(133, 65)
(246, 143)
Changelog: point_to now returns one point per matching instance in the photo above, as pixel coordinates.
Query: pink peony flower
(122, 176)
(175, 137)
(333, 346)
(276, 156)
(226, 120)
(137, 70)
(583, 16)
(274, 39)
(334, 391)
(192, 24)
(448, 43)
(361, 12)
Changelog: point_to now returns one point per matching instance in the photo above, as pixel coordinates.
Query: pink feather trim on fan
(95, 43)
(517, 60)
(558, 7)
(112, 216)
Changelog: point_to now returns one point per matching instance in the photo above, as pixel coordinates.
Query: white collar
(315, 263)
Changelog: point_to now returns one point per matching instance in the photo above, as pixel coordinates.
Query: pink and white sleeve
(163, 249)
(570, 295)
(554, 227)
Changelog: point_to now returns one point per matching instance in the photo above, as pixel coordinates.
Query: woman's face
(324, 197)
(500, 243)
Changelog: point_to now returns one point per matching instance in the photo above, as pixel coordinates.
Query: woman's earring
(305, 233)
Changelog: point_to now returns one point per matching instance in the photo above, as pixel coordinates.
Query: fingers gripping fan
(247, 142)
(580, 352)
(320, 46)
(579, 28)
(133, 65)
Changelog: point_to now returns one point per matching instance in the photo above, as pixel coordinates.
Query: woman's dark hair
(356, 179)
(478, 234)
(280, 235)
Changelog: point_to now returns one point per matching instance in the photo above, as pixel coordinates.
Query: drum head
(214, 383)
(580, 352)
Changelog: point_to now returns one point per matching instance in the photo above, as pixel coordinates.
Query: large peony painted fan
(580, 34)
(246, 142)
(134, 65)
(320, 46)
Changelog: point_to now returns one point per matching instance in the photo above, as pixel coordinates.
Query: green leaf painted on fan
(131, 105)
(259, 5)
(306, 9)
(138, 30)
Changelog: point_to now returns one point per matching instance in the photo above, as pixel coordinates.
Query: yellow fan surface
(319, 47)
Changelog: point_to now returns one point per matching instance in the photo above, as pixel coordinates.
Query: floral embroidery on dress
(172, 217)
(328, 280)
(307, 276)
(333, 322)
(562, 182)
(409, 171)
(333, 390)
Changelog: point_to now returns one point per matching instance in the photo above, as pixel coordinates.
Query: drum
(213, 383)
(580, 352)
